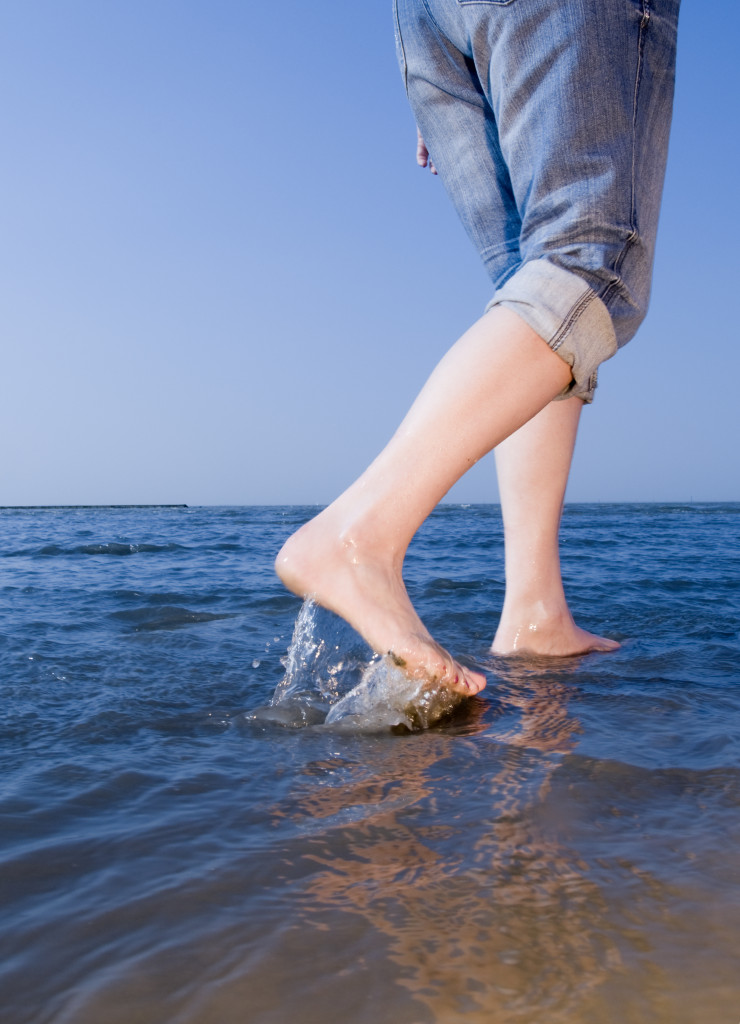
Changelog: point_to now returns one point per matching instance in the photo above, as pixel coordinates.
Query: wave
(166, 617)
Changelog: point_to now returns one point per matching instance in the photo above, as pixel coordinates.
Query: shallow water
(563, 848)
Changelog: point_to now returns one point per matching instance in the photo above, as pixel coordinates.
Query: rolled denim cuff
(567, 314)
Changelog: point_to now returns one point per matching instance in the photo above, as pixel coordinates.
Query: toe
(476, 681)
(468, 682)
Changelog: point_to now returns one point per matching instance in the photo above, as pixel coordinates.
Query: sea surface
(177, 848)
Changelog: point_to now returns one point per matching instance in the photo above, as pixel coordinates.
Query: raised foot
(341, 573)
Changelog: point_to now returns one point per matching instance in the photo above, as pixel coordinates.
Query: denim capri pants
(548, 122)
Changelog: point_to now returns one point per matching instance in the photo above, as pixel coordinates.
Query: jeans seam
(573, 314)
(638, 78)
(633, 234)
(431, 17)
(401, 46)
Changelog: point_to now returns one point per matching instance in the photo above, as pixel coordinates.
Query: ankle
(334, 539)
(536, 605)
(363, 530)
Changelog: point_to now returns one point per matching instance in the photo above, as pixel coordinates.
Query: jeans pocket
(485, 3)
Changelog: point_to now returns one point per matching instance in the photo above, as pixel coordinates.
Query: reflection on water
(487, 907)
(484, 912)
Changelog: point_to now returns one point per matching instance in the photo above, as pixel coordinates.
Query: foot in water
(342, 570)
(553, 634)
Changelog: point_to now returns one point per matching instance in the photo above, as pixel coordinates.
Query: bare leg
(350, 557)
(533, 466)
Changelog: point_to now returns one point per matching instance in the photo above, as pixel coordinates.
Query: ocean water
(177, 847)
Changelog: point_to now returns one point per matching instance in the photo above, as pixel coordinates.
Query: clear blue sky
(223, 278)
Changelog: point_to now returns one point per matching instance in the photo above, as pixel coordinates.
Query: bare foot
(534, 631)
(341, 571)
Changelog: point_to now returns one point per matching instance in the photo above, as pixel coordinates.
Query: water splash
(332, 678)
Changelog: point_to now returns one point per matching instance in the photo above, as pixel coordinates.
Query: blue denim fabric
(548, 123)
